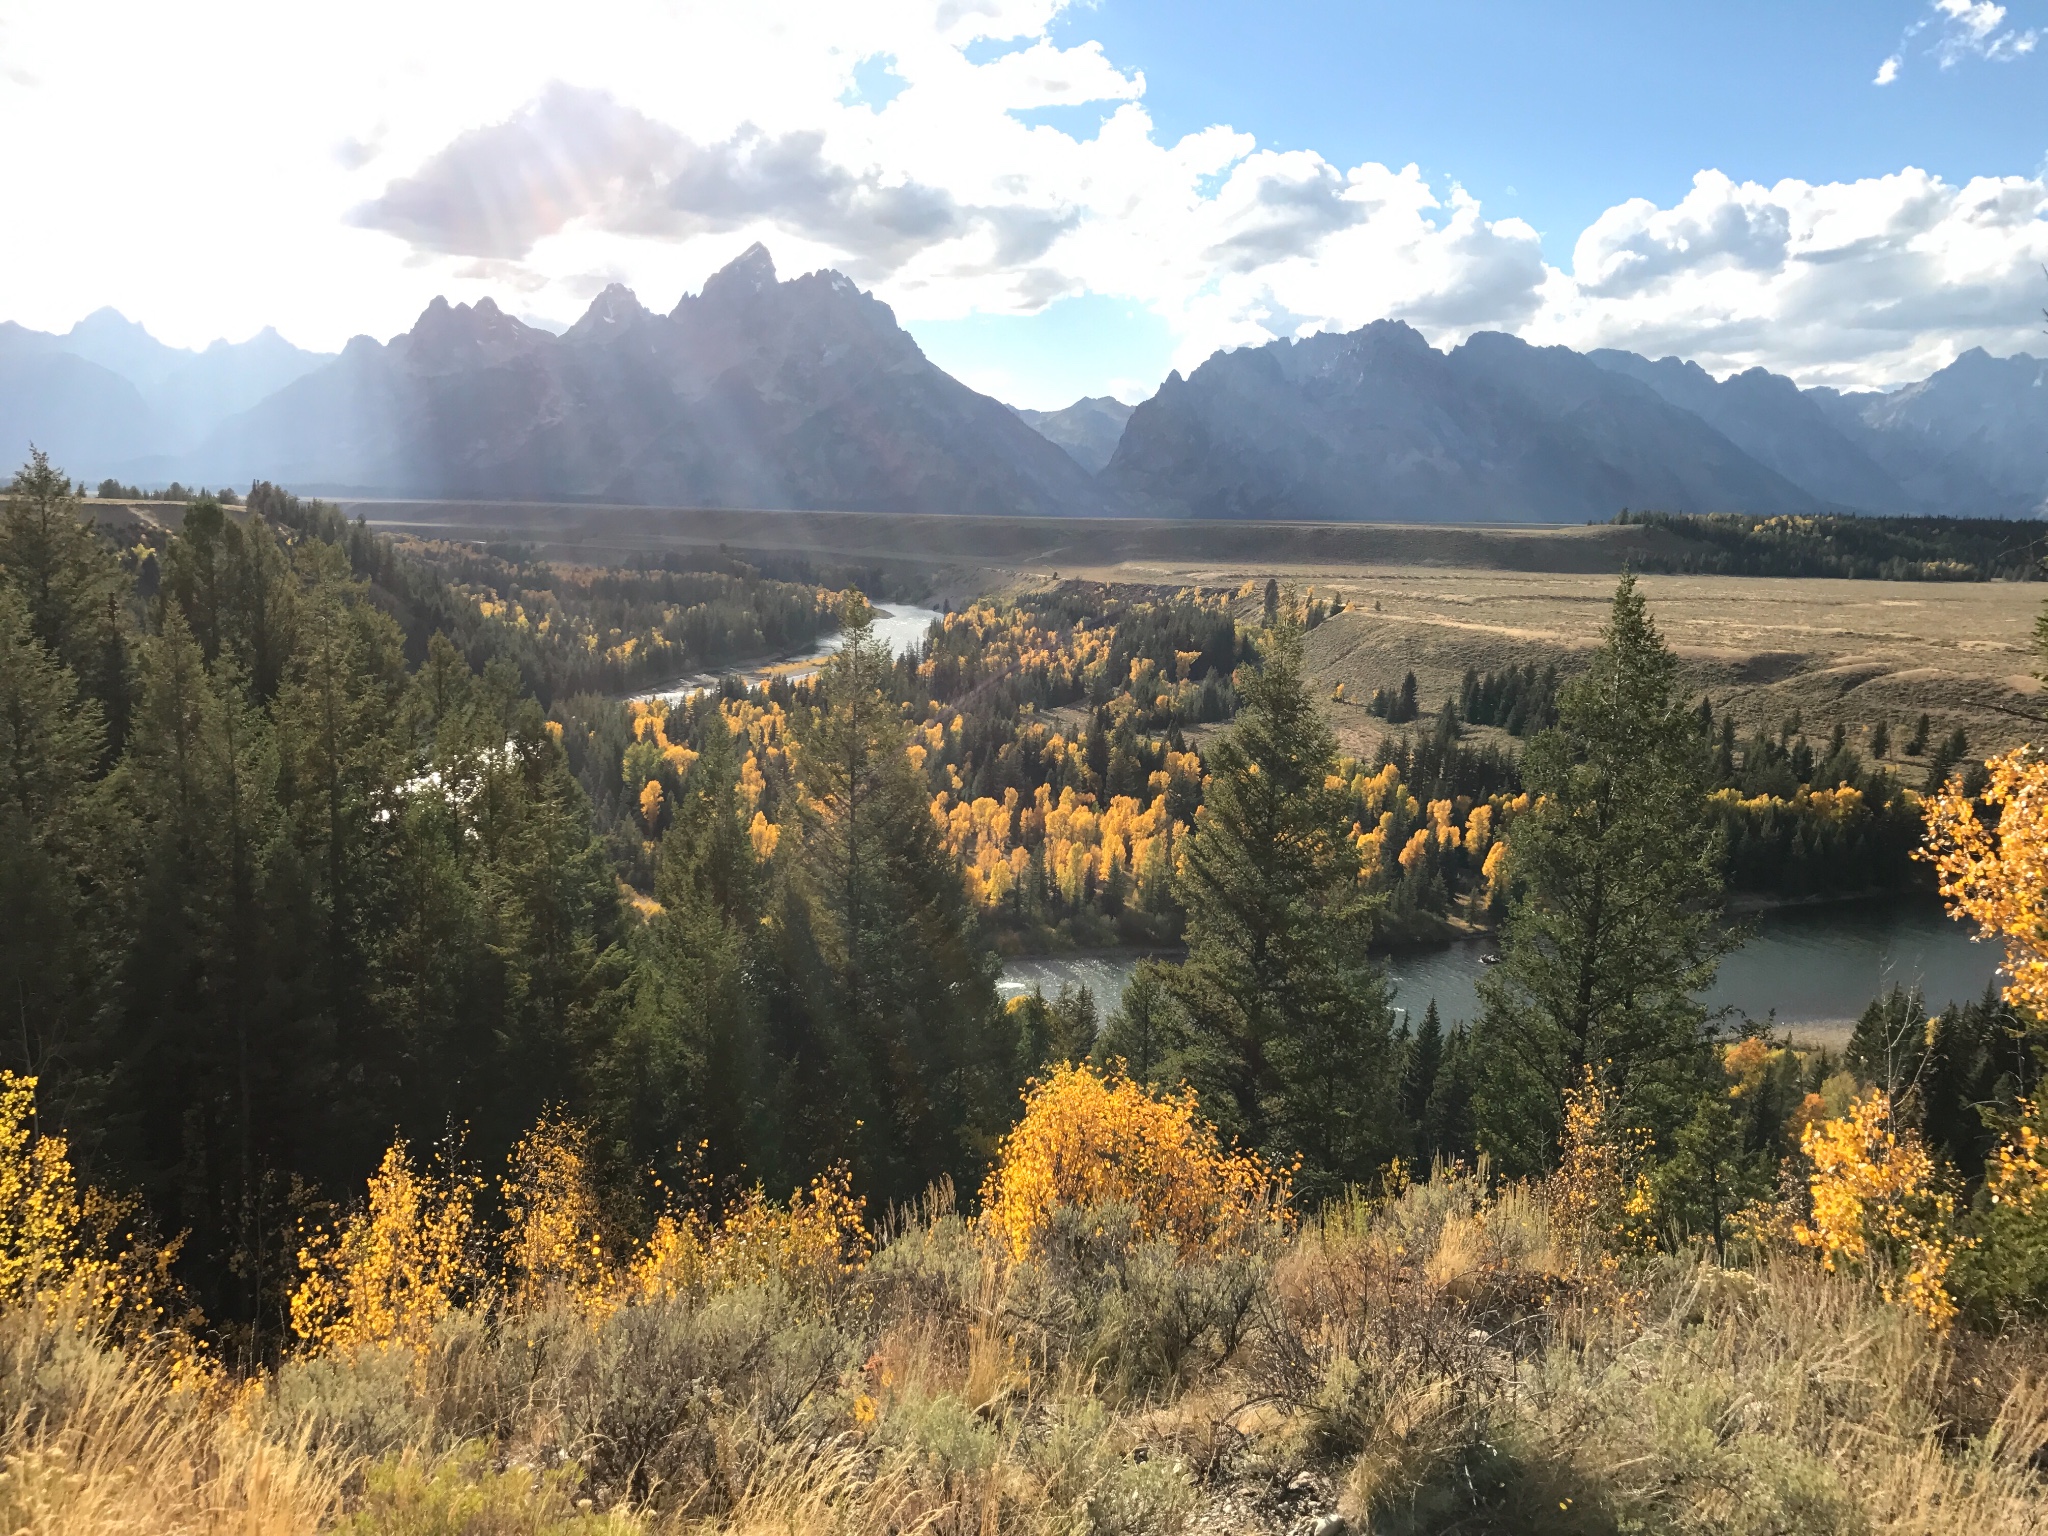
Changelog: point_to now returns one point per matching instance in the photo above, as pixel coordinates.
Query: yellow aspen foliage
(1479, 831)
(1999, 875)
(1600, 1197)
(650, 803)
(397, 1268)
(553, 1242)
(811, 1245)
(1875, 1197)
(752, 782)
(764, 835)
(2017, 1178)
(39, 1203)
(1495, 869)
(1091, 1138)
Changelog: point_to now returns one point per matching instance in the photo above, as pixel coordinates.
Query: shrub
(2007, 1268)
(462, 1495)
(1875, 1200)
(1090, 1138)
(811, 1246)
(397, 1268)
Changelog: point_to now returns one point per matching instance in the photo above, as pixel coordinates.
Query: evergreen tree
(1286, 1017)
(49, 746)
(70, 583)
(1614, 923)
(1144, 1032)
(1448, 1128)
(890, 1024)
(688, 1070)
(1419, 1073)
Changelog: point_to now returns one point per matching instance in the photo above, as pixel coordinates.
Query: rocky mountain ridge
(806, 394)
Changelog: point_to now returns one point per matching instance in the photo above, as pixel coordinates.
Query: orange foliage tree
(810, 1246)
(554, 1239)
(396, 1268)
(1091, 1138)
(1876, 1199)
(1999, 874)
(39, 1203)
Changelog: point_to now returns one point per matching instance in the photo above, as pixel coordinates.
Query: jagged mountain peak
(610, 313)
(749, 273)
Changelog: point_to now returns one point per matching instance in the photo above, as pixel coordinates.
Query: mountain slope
(1971, 439)
(1379, 424)
(85, 417)
(1769, 418)
(106, 397)
(1089, 429)
(754, 393)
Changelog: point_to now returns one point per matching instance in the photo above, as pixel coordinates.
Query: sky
(1057, 199)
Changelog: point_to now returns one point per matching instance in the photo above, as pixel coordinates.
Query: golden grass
(1436, 1361)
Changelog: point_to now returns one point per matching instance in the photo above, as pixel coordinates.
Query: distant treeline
(114, 490)
(1859, 548)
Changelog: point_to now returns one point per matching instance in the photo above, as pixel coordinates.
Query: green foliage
(1614, 925)
(314, 897)
(1520, 700)
(1144, 1032)
(1286, 1017)
(896, 1058)
(1861, 548)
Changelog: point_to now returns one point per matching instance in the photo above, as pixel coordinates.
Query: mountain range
(806, 394)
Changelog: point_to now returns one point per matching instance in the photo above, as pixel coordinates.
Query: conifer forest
(453, 1081)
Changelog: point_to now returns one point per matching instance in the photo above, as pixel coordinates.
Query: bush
(1089, 1139)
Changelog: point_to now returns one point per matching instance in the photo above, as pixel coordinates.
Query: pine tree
(49, 746)
(1419, 1073)
(70, 583)
(1144, 1032)
(1614, 924)
(1448, 1129)
(689, 1070)
(897, 1044)
(1287, 1019)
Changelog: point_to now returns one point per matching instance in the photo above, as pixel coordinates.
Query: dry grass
(1437, 1362)
(1765, 647)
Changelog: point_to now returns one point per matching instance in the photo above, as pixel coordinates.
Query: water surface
(901, 625)
(1814, 967)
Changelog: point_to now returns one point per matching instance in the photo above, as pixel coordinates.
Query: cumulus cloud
(1847, 282)
(519, 149)
(494, 191)
(1888, 71)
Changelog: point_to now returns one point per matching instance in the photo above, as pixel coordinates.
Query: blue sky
(1552, 112)
(1059, 198)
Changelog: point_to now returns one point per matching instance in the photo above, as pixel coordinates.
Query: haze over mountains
(806, 394)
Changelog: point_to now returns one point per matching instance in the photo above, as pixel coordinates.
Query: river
(1816, 967)
(901, 625)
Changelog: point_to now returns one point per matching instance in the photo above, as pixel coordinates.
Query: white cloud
(362, 164)
(1862, 282)
(1957, 30)
(1977, 29)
